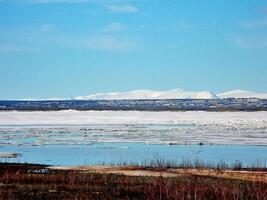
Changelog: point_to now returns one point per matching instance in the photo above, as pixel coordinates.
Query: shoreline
(243, 174)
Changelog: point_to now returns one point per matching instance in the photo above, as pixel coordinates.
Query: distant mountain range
(242, 94)
(172, 94)
(148, 100)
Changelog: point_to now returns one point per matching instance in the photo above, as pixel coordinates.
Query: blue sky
(65, 48)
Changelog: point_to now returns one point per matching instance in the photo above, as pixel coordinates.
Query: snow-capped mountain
(149, 94)
(242, 94)
(170, 94)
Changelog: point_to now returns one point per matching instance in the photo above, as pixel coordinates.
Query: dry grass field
(25, 181)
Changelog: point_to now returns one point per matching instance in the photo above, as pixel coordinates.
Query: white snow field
(87, 127)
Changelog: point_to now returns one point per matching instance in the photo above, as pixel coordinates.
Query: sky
(67, 48)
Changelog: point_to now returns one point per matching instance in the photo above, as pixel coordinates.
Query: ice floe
(89, 127)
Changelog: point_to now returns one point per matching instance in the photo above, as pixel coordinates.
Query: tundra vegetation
(28, 181)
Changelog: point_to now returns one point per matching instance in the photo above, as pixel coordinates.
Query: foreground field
(19, 181)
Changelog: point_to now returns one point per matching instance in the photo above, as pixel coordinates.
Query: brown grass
(31, 182)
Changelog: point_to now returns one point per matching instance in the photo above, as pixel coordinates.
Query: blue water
(112, 153)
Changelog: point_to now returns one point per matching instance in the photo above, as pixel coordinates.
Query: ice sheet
(87, 127)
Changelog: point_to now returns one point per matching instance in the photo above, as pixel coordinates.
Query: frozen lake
(94, 137)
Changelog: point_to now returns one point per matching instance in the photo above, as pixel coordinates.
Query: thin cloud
(109, 43)
(263, 10)
(254, 24)
(125, 8)
(99, 43)
(58, 1)
(180, 25)
(44, 1)
(115, 27)
(11, 48)
(47, 28)
(35, 39)
(249, 43)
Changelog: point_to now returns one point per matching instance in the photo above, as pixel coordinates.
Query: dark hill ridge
(231, 104)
